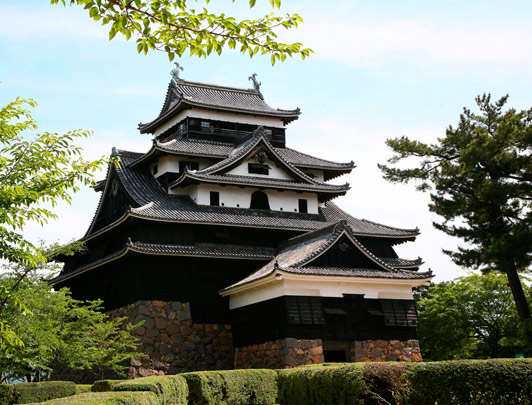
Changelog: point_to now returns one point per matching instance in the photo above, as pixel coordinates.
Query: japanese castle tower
(228, 245)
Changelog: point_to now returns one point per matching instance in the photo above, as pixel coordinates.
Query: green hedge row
(109, 398)
(24, 393)
(170, 389)
(479, 382)
(232, 387)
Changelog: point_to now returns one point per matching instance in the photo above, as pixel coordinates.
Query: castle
(227, 244)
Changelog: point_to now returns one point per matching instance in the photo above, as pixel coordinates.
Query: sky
(381, 69)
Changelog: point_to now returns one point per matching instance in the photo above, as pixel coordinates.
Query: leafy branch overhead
(174, 27)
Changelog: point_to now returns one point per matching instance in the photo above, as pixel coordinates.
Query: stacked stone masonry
(172, 343)
(282, 353)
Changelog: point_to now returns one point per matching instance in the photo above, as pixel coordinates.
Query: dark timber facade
(227, 244)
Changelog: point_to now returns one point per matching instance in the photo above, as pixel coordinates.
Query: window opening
(259, 201)
(303, 205)
(258, 168)
(205, 125)
(215, 198)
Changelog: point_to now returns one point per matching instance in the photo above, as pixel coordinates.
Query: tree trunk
(519, 295)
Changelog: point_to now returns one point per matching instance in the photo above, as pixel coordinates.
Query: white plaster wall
(274, 173)
(317, 173)
(192, 191)
(171, 164)
(324, 287)
(220, 116)
(236, 197)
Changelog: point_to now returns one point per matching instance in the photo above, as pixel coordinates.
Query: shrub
(24, 393)
(384, 381)
(170, 389)
(82, 388)
(232, 387)
(105, 385)
(329, 385)
(477, 382)
(109, 398)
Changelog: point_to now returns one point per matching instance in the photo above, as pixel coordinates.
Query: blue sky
(382, 69)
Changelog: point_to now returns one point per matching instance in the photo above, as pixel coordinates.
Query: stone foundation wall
(173, 343)
(282, 353)
(385, 350)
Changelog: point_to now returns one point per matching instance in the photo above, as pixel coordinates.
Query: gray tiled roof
(215, 97)
(297, 252)
(152, 202)
(206, 250)
(260, 182)
(222, 150)
(404, 263)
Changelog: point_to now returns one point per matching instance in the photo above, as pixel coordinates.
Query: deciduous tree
(480, 179)
(174, 27)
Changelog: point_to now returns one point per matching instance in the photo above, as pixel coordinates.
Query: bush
(170, 389)
(232, 387)
(105, 385)
(477, 382)
(109, 398)
(329, 385)
(24, 393)
(82, 388)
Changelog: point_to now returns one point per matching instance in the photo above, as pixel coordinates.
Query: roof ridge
(217, 86)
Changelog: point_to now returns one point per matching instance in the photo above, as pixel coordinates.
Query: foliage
(109, 398)
(480, 175)
(24, 393)
(334, 385)
(477, 382)
(62, 332)
(82, 388)
(34, 170)
(104, 385)
(174, 27)
(170, 389)
(232, 387)
(469, 317)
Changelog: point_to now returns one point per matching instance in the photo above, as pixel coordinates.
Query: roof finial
(175, 73)
(256, 84)
(114, 153)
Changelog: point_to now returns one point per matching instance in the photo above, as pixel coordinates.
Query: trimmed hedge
(476, 382)
(170, 389)
(232, 387)
(334, 385)
(105, 385)
(24, 393)
(83, 388)
(109, 398)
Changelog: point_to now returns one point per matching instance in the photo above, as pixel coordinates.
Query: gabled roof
(217, 173)
(152, 202)
(297, 254)
(185, 94)
(182, 145)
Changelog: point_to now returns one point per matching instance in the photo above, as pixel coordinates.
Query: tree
(480, 175)
(174, 27)
(62, 332)
(34, 170)
(469, 317)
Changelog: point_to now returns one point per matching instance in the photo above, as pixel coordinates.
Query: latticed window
(399, 312)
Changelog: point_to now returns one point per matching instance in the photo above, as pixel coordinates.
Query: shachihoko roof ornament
(175, 74)
(256, 84)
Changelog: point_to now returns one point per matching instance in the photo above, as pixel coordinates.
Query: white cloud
(438, 44)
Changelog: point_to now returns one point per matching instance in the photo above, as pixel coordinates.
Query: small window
(259, 201)
(155, 169)
(303, 205)
(205, 125)
(268, 131)
(189, 165)
(258, 168)
(215, 198)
